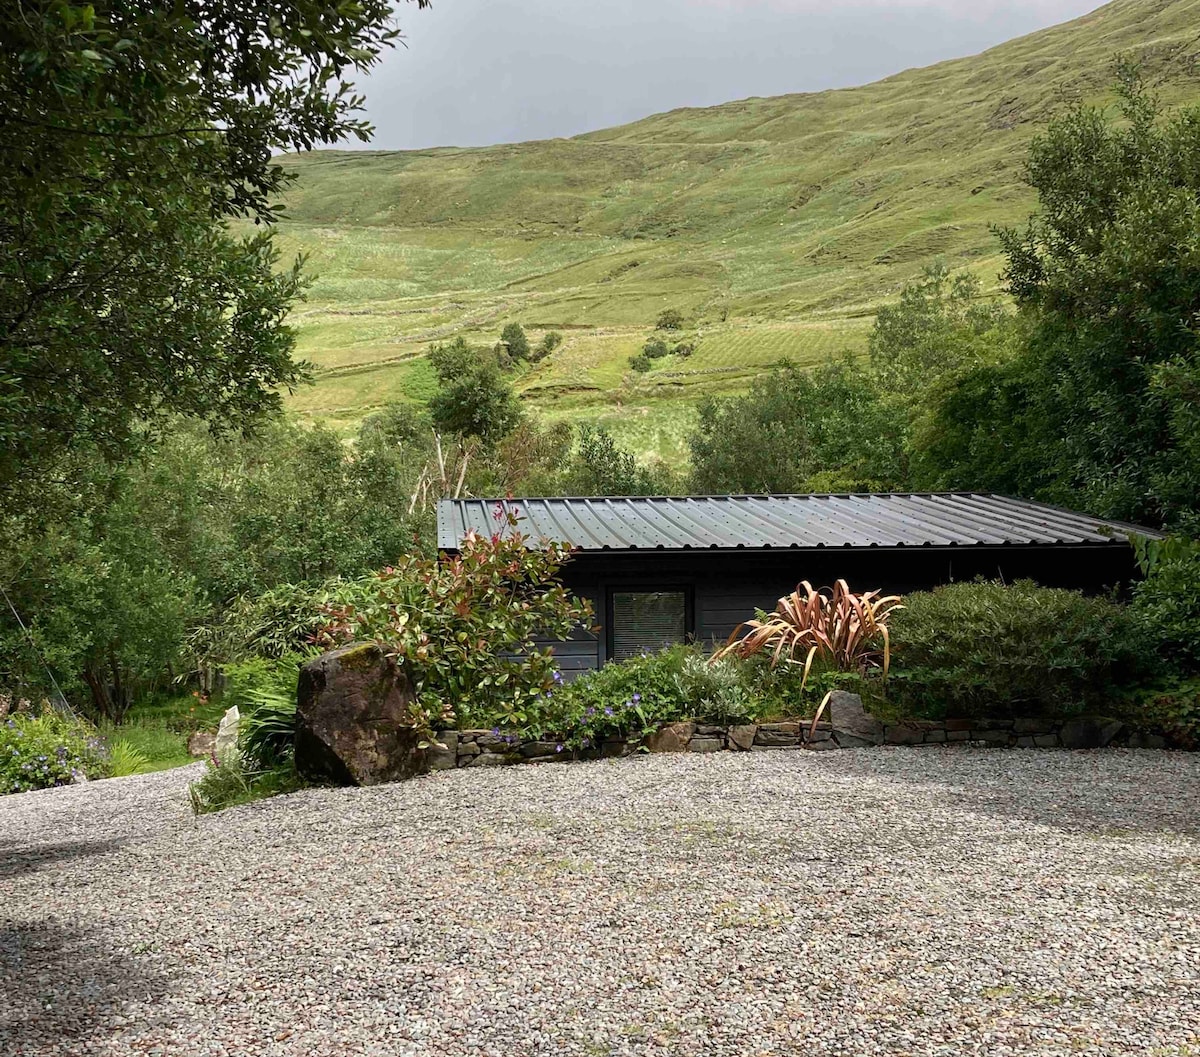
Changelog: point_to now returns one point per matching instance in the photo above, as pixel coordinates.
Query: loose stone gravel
(905, 901)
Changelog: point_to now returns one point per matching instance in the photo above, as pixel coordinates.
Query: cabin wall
(727, 587)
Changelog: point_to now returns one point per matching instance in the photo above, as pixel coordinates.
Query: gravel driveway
(908, 901)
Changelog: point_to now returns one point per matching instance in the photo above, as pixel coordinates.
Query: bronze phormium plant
(847, 630)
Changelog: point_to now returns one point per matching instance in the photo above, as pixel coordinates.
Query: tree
(669, 319)
(513, 338)
(473, 398)
(599, 466)
(133, 133)
(797, 431)
(940, 325)
(1107, 275)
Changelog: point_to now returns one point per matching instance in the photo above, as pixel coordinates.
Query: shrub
(1168, 601)
(125, 759)
(684, 349)
(656, 349)
(670, 319)
(848, 632)
(50, 749)
(235, 782)
(996, 650)
(630, 700)
(635, 698)
(640, 363)
(551, 340)
(1173, 707)
(464, 629)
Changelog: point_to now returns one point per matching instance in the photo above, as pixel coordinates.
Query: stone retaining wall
(850, 726)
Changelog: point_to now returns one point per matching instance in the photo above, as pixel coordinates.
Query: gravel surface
(908, 901)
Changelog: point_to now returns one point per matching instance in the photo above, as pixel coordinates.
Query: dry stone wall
(850, 727)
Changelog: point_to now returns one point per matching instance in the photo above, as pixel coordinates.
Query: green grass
(777, 225)
(158, 729)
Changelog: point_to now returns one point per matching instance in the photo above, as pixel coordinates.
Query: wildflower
(608, 711)
(636, 698)
(557, 676)
(587, 743)
(495, 732)
(558, 747)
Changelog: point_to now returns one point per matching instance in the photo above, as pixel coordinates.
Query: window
(646, 621)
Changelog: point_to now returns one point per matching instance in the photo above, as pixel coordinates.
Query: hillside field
(776, 225)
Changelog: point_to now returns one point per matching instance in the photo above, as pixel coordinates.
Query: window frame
(615, 587)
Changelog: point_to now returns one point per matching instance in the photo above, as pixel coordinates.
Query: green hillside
(777, 225)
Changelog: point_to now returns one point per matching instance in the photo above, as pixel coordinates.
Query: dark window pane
(647, 620)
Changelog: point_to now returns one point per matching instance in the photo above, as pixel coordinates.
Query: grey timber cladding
(741, 522)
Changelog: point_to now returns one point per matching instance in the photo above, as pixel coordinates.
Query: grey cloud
(494, 71)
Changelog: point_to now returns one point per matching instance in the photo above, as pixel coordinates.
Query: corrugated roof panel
(952, 519)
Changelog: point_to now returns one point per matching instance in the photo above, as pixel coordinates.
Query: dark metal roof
(743, 522)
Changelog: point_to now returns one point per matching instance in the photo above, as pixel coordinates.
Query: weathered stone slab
(849, 716)
(539, 748)
(743, 737)
(1138, 740)
(1089, 732)
(772, 738)
(904, 734)
(444, 759)
(673, 738)
(1045, 741)
(705, 745)
(993, 736)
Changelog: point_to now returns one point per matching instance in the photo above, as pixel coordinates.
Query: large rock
(352, 720)
(851, 720)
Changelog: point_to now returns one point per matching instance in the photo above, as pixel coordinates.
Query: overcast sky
(476, 72)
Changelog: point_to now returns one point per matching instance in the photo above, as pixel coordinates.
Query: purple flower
(587, 743)
(608, 711)
(636, 698)
(495, 732)
(557, 676)
(558, 747)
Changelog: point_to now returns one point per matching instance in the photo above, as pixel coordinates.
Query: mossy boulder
(353, 719)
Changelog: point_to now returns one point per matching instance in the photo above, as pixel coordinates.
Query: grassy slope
(777, 225)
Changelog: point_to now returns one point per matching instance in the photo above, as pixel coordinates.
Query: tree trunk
(102, 704)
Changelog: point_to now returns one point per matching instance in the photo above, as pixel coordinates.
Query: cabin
(665, 570)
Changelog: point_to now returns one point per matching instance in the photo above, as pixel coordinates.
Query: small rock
(743, 737)
(673, 738)
(202, 744)
(705, 745)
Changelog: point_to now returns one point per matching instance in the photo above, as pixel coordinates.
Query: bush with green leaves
(47, 749)
(641, 363)
(1168, 600)
(994, 650)
(238, 781)
(634, 698)
(669, 319)
(465, 630)
(656, 349)
(551, 340)
(629, 700)
(264, 692)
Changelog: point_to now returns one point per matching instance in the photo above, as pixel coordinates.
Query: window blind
(647, 621)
